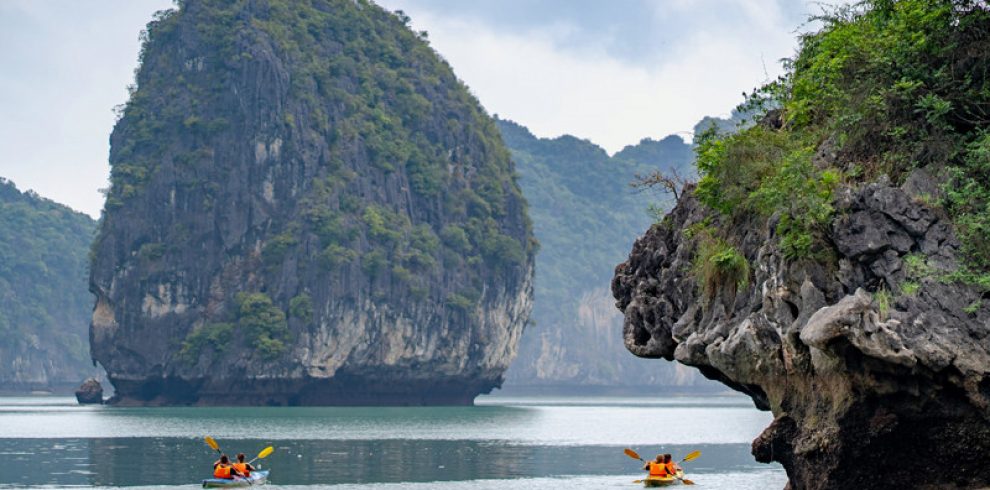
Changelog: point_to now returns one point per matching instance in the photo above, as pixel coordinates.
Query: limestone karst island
(430, 244)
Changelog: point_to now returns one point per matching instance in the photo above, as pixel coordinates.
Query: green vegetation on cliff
(44, 305)
(304, 178)
(582, 205)
(585, 215)
(884, 88)
(356, 76)
(718, 264)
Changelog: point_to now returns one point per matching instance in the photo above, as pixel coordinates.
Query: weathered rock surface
(307, 207)
(871, 362)
(90, 392)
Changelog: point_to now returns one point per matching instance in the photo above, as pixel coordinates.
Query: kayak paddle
(263, 454)
(213, 443)
(632, 454)
(693, 455)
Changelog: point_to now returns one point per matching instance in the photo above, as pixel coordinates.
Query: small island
(306, 207)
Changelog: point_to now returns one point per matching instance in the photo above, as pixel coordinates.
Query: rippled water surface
(501, 443)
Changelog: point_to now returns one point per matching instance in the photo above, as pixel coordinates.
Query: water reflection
(176, 461)
(527, 441)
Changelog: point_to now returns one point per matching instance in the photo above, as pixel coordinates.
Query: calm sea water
(502, 443)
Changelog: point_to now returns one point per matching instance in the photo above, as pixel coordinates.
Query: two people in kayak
(662, 467)
(224, 469)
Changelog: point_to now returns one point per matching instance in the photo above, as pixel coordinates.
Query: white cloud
(528, 78)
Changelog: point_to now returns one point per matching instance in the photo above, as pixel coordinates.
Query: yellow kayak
(663, 481)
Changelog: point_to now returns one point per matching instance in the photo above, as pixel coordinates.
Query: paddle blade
(692, 456)
(265, 452)
(632, 454)
(212, 443)
(686, 481)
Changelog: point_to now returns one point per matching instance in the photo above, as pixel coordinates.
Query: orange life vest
(671, 468)
(657, 469)
(222, 471)
(242, 467)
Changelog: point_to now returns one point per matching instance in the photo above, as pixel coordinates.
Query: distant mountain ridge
(585, 216)
(44, 304)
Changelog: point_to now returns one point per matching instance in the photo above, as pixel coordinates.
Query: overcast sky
(612, 71)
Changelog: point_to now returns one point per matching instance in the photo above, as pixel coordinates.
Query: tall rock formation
(831, 262)
(857, 381)
(44, 305)
(585, 217)
(306, 207)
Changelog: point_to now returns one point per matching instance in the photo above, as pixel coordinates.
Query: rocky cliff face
(44, 305)
(861, 382)
(307, 207)
(585, 217)
(831, 261)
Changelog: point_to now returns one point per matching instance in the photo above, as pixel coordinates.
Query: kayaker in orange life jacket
(223, 469)
(656, 468)
(244, 468)
(670, 465)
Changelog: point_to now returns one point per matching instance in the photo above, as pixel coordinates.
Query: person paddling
(657, 468)
(224, 470)
(670, 465)
(242, 467)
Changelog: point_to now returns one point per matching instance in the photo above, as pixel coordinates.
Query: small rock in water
(90, 392)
